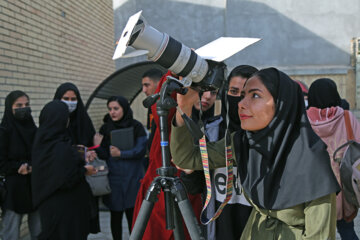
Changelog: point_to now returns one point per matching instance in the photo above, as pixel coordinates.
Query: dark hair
(267, 77)
(112, 99)
(13, 96)
(244, 71)
(123, 102)
(154, 74)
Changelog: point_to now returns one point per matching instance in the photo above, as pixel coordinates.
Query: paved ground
(106, 232)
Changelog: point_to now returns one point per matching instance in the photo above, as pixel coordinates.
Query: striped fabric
(229, 180)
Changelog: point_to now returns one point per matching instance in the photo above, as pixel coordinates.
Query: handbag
(99, 182)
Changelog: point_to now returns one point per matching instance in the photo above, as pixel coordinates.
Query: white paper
(224, 47)
(124, 39)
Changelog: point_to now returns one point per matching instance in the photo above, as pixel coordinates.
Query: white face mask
(71, 105)
(306, 103)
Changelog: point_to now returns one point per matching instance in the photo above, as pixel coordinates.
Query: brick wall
(44, 43)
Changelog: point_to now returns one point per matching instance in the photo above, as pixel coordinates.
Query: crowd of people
(286, 184)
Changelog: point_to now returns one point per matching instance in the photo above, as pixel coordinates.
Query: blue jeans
(346, 230)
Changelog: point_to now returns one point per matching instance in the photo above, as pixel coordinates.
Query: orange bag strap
(349, 130)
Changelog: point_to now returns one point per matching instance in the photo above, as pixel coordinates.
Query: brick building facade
(46, 43)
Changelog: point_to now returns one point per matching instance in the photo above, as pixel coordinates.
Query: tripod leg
(145, 210)
(169, 207)
(141, 220)
(179, 228)
(190, 220)
(186, 210)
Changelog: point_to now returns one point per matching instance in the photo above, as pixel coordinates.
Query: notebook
(123, 138)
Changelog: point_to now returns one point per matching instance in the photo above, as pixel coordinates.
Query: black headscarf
(245, 71)
(81, 128)
(23, 129)
(345, 104)
(323, 94)
(286, 163)
(126, 121)
(54, 158)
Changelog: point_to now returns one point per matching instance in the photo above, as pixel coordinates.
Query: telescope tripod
(176, 200)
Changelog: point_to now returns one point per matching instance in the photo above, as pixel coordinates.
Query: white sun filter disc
(125, 36)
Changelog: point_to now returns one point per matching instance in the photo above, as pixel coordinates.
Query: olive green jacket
(311, 220)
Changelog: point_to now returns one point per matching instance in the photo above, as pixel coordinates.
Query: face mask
(22, 113)
(71, 105)
(233, 108)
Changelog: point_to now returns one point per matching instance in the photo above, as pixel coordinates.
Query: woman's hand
(90, 170)
(186, 103)
(114, 151)
(24, 169)
(97, 139)
(187, 171)
(90, 156)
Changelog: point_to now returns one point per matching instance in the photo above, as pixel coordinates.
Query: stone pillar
(355, 62)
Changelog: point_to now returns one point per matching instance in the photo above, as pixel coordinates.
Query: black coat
(81, 131)
(18, 195)
(16, 137)
(59, 186)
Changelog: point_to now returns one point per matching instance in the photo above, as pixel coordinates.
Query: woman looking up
(283, 166)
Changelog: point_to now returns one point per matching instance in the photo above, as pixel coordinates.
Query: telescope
(203, 69)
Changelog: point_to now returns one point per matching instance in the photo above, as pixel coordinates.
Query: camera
(171, 54)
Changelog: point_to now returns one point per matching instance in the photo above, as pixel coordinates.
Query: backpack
(350, 166)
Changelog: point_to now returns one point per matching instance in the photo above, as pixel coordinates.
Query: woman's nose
(242, 103)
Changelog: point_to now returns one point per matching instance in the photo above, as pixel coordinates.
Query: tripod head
(166, 102)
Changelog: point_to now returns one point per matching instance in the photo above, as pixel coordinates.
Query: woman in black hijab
(17, 133)
(284, 167)
(80, 128)
(233, 218)
(236, 81)
(231, 223)
(125, 166)
(81, 131)
(60, 190)
(327, 117)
